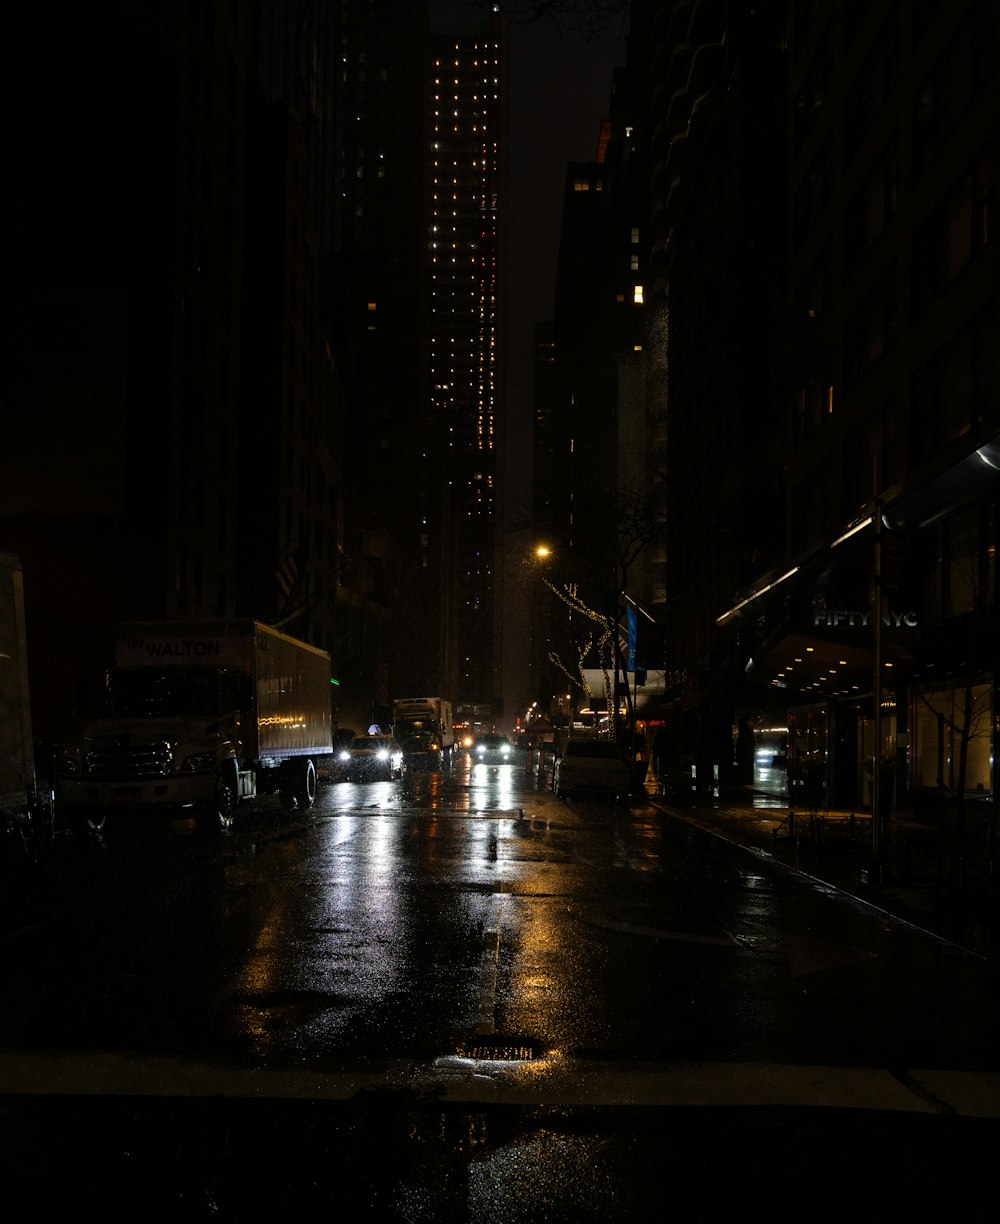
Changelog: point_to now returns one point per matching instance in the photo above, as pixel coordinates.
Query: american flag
(287, 573)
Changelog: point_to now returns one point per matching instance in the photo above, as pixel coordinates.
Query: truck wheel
(83, 821)
(305, 789)
(298, 786)
(223, 809)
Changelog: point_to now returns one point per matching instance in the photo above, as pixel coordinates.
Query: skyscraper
(464, 360)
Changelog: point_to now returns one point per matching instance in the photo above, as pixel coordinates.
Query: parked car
(370, 757)
(492, 750)
(590, 765)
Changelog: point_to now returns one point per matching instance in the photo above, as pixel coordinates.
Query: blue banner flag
(630, 663)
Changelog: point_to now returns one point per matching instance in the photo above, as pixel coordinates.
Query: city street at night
(499, 705)
(461, 953)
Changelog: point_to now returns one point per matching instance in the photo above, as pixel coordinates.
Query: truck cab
(424, 728)
(200, 716)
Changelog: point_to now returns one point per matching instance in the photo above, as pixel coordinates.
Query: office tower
(464, 359)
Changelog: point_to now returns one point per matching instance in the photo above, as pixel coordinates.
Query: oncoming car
(492, 750)
(590, 765)
(371, 757)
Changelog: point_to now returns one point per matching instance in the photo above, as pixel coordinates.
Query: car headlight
(382, 754)
(345, 756)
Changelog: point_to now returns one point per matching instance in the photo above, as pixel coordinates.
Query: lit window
(637, 295)
(371, 306)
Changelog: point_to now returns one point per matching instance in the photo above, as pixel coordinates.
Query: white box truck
(203, 716)
(424, 728)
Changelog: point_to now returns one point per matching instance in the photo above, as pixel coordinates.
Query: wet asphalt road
(501, 993)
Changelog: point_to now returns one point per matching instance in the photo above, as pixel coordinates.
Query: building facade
(464, 357)
(893, 451)
(820, 310)
(121, 462)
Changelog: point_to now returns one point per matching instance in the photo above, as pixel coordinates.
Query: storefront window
(807, 754)
(770, 761)
(941, 719)
(866, 749)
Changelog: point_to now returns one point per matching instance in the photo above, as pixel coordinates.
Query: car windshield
(492, 741)
(369, 743)
(170, 693)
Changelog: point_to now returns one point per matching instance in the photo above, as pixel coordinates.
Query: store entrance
(886, 749)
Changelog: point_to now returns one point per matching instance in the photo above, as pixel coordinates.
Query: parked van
(591, 765)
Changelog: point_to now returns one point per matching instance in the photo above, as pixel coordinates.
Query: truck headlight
(198, 762)
(345, 756)
(382, 754)
(67, 760)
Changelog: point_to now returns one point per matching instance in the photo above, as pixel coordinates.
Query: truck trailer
(201, 716)
(424, 728)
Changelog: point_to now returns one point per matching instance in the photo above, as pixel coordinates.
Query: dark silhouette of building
(820, 318)
(387, 595)
(291, 461)
(195, 288)
(121, 446)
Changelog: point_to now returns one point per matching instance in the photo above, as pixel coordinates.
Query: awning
(830, 664)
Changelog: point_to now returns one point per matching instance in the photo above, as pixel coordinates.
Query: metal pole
(635, 704)
(614, 696)
(875, 876)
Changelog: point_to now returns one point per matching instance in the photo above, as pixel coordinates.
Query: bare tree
(596, 591)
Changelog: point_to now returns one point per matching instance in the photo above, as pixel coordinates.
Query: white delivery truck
(199, 715)
(424, 728)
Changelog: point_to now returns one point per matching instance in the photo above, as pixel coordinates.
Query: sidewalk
(929, 876)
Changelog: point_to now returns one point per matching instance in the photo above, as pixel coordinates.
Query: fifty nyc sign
(835, 618)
